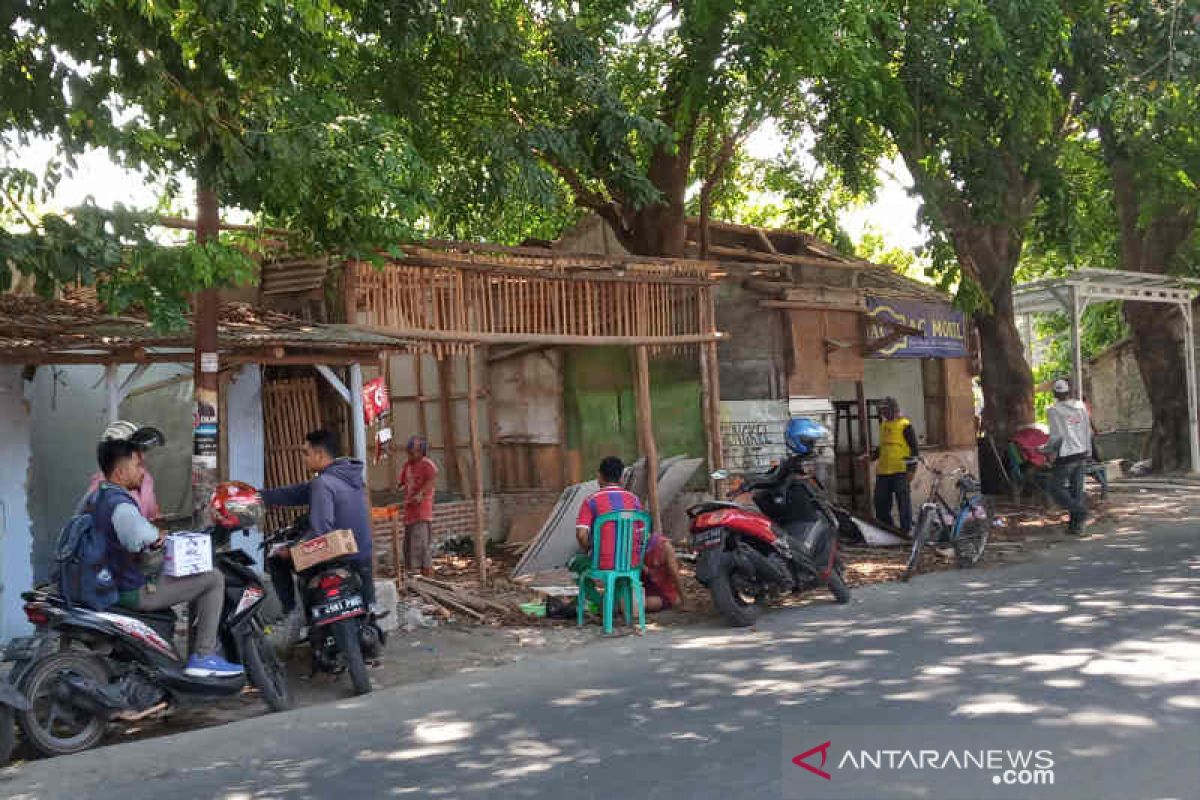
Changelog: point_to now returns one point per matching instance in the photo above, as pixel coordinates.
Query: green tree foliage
(252, 99)
(967, 92)
(1136, 72)
(626, 107)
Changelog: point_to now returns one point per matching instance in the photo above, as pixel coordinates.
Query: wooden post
(385, 372)
(712, 434)
(477, 464)
(646, 433)
(449, 442)
(419, 376)
(861, 467)
(714, 410)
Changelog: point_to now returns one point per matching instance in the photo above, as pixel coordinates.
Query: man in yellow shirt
(897, 458)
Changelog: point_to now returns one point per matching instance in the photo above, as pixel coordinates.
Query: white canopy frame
(1074, 292)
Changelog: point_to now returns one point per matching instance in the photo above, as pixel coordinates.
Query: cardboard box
(335, 544)
(187, 553)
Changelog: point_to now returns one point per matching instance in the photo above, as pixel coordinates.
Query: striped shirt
(609, 499)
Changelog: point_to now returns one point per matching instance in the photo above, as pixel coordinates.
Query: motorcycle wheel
(265, 671)
(837, 585)
(51, 725)
(736, 610)
(8, 734)
(346, 633)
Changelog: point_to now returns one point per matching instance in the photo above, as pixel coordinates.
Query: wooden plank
(714, 410)
(469, 337)
(477, 462)
(646, 434)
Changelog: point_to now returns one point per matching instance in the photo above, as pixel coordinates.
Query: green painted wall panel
(602, 413)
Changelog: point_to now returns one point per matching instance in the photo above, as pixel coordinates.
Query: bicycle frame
(937, 503)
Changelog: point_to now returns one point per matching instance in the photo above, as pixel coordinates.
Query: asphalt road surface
(1092, 650)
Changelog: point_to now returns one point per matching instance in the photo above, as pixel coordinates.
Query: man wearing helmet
(897, 458)
(143, 439)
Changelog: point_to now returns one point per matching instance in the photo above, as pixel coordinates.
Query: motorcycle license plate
(337, 608)
(706, 540)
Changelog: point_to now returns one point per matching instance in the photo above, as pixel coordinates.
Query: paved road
(1095, 645)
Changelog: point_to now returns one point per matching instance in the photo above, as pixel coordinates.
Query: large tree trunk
(988, 254)
(1159, 350)
(659, 228)
(1150, 243)
(205, 436)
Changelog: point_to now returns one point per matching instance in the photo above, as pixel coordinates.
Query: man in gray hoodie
(336, 500)
(1070, 444)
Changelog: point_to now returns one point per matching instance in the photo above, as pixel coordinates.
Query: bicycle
(965, 526)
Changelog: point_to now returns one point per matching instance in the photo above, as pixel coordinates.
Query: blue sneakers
(211, 667)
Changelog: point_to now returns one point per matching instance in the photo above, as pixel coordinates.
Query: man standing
(418, 479)
(1070, 444)
(897, 458)
(336, 500)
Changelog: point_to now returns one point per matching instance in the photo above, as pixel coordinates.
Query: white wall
(16, 539)
(244, 423)
(68, 412)
(899, 378)
(67, 408)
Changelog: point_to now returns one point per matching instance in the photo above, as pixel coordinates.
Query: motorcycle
(343, 633)
(84, 667)
(748, 556)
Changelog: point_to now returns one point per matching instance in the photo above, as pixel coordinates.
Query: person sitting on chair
(610, 497)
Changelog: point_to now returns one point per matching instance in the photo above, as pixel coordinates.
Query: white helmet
(143, 437)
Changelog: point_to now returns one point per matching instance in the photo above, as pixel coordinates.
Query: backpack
(83, 575)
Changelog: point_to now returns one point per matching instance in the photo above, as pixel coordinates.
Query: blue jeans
(1066, 487)
(887, 487)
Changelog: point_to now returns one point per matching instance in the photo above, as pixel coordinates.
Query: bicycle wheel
(973, 537)
(921, 534)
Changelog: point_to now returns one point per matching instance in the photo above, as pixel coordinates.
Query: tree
(629, 106)
(182, 86)
(966, 91)
(1136, 69)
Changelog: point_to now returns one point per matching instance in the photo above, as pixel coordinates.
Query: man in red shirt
(418, 478)
(660, 568)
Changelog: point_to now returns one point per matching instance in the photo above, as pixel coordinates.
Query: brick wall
(458, 518)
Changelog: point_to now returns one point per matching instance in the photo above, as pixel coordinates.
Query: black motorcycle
(343, 633)
(83, 667)
(748, 556)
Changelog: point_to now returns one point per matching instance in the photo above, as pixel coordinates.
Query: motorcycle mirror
(719, 475)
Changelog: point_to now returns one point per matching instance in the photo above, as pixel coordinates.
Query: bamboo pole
(477, 465)
(714, 401)
(646, 434)
(449, 443)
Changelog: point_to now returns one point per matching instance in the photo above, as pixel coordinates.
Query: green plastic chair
(626, 576)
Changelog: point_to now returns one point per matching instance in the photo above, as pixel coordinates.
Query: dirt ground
(462, 645)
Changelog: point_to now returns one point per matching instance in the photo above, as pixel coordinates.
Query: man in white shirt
(1070, 444)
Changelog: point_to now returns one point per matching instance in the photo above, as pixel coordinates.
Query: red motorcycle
(749, 555)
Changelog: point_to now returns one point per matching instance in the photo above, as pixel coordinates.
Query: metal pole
(1189, 343)
(358, 424)
(112, 391)
(1076, 344)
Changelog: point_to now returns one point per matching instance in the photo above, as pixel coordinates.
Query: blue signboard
(943, 329)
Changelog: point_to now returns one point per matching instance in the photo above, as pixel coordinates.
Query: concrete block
(386, 597)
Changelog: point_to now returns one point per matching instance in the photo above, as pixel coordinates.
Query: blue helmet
(802, 435)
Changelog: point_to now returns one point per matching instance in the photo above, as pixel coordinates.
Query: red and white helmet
(236, 505)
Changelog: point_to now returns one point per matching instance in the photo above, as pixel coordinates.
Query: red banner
(376, 402)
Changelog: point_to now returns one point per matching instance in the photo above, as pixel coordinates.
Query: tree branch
(32, 227)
